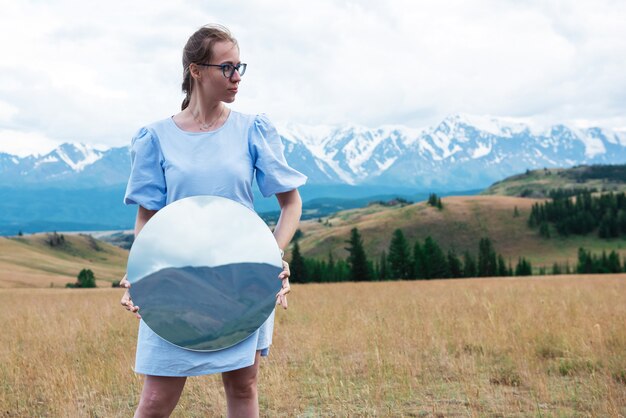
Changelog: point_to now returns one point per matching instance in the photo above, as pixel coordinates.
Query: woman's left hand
(281, 296)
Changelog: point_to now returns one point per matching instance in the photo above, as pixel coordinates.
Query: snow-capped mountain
(461, 152)
(73, 165)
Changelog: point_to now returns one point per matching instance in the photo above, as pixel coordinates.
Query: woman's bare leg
(159, 396)
(241, 391)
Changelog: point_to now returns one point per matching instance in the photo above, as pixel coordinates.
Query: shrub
(86, 279)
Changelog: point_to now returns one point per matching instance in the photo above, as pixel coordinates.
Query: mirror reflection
(204, 272)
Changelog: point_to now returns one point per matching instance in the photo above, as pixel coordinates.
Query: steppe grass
(484, 347)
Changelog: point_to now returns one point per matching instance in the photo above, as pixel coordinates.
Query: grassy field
(551, 346)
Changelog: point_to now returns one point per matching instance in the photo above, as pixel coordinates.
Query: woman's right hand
(126, 301)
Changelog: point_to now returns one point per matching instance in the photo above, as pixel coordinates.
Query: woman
(208, 149)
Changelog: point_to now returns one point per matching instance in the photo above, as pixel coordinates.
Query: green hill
(31, 260)
(539, 183)
(459, 226)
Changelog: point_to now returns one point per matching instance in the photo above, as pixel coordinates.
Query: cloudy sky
(245, 238)
(94, 72)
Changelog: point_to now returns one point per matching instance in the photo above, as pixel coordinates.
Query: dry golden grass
(490, 347)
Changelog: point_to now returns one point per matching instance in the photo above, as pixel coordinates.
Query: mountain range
(78, 187)
(460, 153)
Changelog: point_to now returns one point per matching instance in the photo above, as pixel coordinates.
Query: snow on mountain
(461, 152)
(72, 164)
(77, 156)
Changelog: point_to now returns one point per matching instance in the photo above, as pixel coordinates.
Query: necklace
(204, 125)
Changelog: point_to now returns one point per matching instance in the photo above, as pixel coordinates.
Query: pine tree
(419, 264)
(585, 262)
(86, 279)
(621, 221)
(454, 265)
(523, 267)
(487, 260)
(357, 260)
(502, 268)
(332, 274)
(399, 257)
(613, 263)
(383, 267)
(435, 260)
(342, 271)
(469, 265)
(372, 270)
(297, 266)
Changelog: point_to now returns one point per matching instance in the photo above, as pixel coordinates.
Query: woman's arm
(143, 216)
(290, 211)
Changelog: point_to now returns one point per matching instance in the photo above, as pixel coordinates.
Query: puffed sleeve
(146, 185)
(273, 174)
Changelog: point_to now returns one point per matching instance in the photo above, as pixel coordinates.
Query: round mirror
(204, 272)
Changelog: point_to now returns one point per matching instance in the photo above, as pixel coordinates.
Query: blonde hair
(199, 49)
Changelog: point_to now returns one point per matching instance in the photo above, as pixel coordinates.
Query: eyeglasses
(229, 69)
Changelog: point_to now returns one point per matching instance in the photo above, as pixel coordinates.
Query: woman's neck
(205, 111)
(205, 116)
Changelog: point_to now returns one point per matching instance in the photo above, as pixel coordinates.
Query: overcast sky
(244, 238)
(94, 72)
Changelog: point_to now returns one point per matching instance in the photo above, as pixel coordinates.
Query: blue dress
(168, 164)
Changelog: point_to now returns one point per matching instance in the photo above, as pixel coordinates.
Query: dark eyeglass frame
(229, 69)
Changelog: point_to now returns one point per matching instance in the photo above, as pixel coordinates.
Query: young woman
(208, 149)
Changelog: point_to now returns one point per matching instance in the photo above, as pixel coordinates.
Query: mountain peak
(76, 155)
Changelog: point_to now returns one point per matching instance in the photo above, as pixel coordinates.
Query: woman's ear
(195, 71)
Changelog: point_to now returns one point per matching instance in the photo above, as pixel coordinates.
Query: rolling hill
(538, 183)
(30, 261)
(459, 226)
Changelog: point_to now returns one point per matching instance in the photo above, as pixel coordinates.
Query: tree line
(605, 172)
(581, 214)
(599, 264)
(403, 261)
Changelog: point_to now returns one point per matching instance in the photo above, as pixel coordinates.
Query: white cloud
(95, 72)
(192, 232)
(25, 143)
(7, 112)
